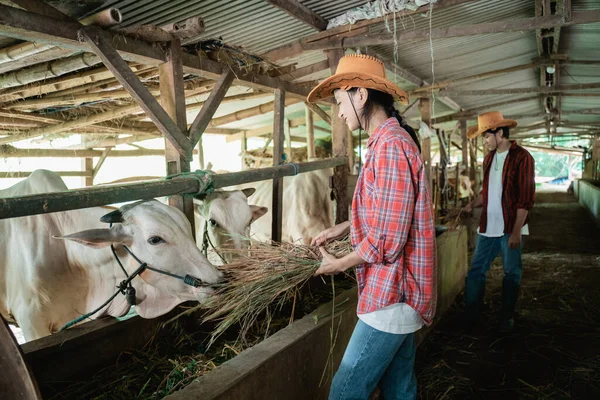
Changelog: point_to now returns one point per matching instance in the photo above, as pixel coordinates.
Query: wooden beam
(278, 140)
(88, 168)
(91, 197)
(70, 125)
(319, 111)
(100, 162)
(113, 61)
(412, 78)
(288, 140)
(472, 78)
(210, 106)
(14, 152)
(305, 71)
(297, 47)
(399, 70)
(172, 97)
(24, 25)
(249, 112)
(40, 7)
(25, 174)
(340, 145)
(12, 207)
(310, 132)
(425, 110)
(300, 12)
(465, 143)
(545, 90)
(513, 25)
(268, 129)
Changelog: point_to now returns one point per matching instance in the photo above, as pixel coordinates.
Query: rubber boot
(474, 291)
(510, 295)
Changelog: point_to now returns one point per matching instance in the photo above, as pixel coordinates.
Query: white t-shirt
(495, 217)
(399, 318)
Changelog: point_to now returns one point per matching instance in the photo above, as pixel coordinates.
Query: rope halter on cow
(206, 242)
(125, 287)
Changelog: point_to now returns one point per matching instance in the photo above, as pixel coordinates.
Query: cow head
(226, 217)
(161, 236)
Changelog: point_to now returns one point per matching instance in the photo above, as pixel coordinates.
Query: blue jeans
(375, 357)
(486, 251)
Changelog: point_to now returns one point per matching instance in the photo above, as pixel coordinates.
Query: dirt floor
(554, 352)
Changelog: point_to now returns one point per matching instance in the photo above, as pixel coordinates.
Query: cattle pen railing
(12, 207)
(58, 357)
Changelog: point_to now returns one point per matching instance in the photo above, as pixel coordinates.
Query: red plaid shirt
(392, 226)
(518, 186)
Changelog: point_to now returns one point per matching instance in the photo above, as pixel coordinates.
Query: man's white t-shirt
(495, 217)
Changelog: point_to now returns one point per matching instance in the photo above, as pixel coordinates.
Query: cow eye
(154, 240)
(213, 223)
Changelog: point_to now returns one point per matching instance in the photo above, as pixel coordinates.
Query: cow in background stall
(45, 282)
(223, 220)
(307, 207)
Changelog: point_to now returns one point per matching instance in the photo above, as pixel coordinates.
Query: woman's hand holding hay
(335, 232)
(332, 265)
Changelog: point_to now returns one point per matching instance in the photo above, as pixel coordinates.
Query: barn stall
(132, 82)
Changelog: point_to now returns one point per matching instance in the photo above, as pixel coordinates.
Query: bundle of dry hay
(262, 282)
(261, 278)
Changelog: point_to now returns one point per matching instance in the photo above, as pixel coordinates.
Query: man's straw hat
(489, 121)
(358, 71)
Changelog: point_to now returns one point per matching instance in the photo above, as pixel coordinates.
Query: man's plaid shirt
(392, 226)
(518, 186)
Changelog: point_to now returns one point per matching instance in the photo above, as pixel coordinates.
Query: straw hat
(358, 71)
(489, 120)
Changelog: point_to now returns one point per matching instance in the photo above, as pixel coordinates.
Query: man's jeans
(487, 250)
(375, 357)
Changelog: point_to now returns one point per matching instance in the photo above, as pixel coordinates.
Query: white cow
(225, 217)
(307, 207)
(46, 282)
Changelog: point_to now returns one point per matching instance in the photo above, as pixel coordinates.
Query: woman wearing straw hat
(392, 234)
(507, 196)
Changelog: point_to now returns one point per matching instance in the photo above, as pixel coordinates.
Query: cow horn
(112, 217)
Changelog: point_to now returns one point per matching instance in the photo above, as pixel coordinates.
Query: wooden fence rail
(12, 207)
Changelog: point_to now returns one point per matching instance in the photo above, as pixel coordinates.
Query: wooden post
(350, 149)
(89, 169)
(457, 186)
(278, 140)
(172, 97)
(200, 154)
(339, 138)
(310, 133)
(243, 149)
(288, 139)
(425, 110)
(100, 162)
(465, 143)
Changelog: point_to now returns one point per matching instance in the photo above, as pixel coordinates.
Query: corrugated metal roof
(257, 27)
(331, 9)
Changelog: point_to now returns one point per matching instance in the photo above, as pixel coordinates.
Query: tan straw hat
(358, 71)
(489, 121)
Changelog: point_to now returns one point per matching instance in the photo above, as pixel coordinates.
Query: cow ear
(258, 212)
(248, 191)
(98, 238)
(113, 217)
